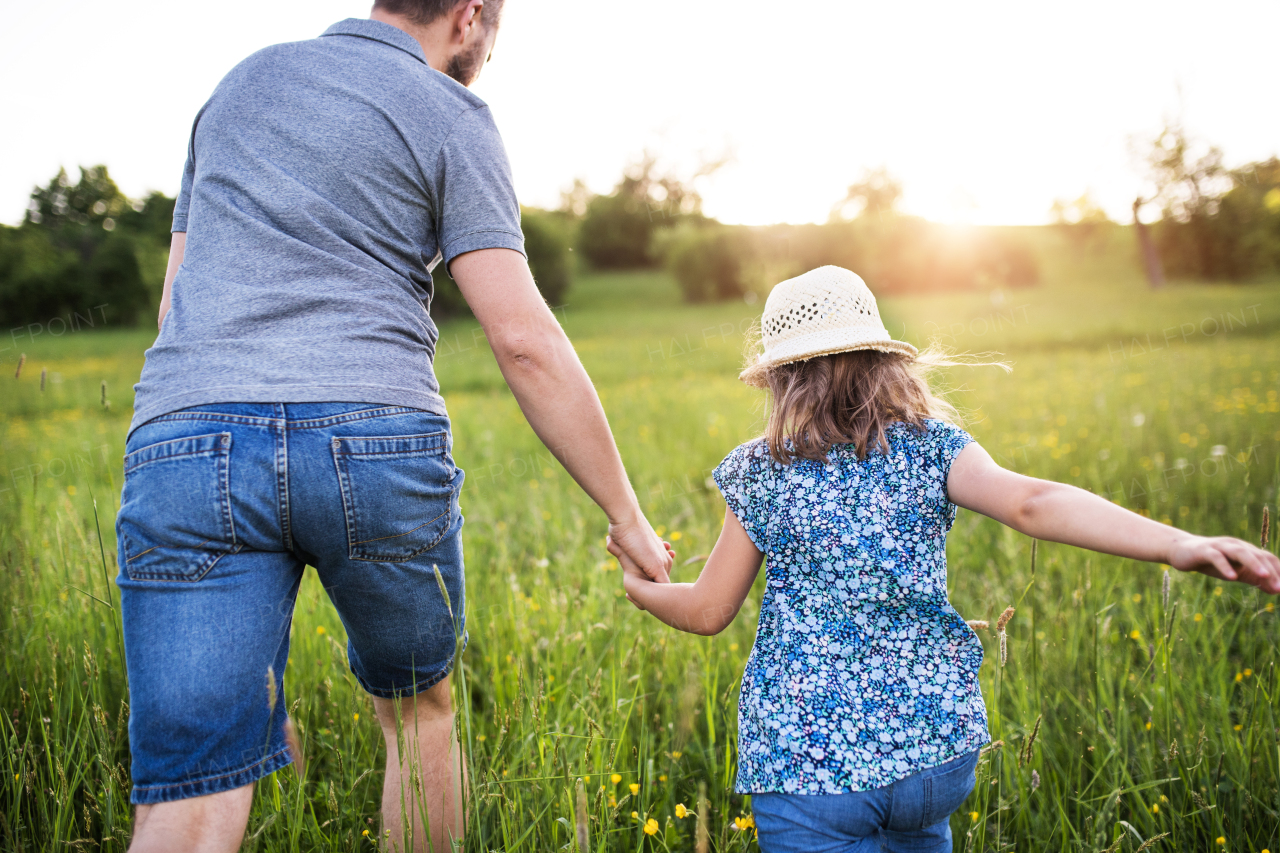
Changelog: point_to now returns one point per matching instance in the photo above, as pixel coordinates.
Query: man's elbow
(528, 351)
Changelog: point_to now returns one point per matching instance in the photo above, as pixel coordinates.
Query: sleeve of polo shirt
(183, 203)
(478, 207)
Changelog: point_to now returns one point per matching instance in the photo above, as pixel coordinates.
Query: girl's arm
(708, 606)
(1060, 513)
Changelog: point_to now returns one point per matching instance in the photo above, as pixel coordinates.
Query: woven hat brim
(819, 344)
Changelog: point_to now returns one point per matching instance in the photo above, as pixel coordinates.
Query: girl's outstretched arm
(1060, 513)
(709, 605)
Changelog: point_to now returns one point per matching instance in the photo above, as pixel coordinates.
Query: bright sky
(986, 111)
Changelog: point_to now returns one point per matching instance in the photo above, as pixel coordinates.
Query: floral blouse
(862, 672)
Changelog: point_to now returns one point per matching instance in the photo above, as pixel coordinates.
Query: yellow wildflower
(1221, 840)
(319, 629)
(1135, 634)
(681, 811)
(1155, 808)
(615, 778)
(1238, 727)
(973, 816)
(650, 827)
(1239, 676)
(635, 788)
(662, 778)
(1198, 617)
(635, 815)
(675, 756)
(1248, 672)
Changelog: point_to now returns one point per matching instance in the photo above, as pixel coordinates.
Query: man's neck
(432, 38)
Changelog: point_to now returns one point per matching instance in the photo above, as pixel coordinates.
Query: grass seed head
(583, 832)
(1164, 590)
(1004, 618)
(978, 624)
(295, 746)
(1266, 526)
(1035, 781)
(1004, 648)
(271, 688)
(703, 844)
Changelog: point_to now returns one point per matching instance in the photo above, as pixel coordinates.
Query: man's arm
(177, 248)
(555, 393)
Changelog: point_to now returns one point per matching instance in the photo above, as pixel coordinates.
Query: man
(288, 413)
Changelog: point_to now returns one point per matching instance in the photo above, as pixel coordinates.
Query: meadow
(1128, 715)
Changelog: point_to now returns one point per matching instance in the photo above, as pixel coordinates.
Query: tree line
(84, 246)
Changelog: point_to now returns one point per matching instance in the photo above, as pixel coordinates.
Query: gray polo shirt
(324, 180)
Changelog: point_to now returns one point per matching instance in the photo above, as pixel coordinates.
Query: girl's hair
(850, 398)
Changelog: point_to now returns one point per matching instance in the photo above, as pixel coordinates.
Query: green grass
(563, 680)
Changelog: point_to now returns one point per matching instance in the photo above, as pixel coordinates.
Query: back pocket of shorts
(947, 787)
(175, 512)
(399, 494)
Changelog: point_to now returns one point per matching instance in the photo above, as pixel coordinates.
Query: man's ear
(466, 19)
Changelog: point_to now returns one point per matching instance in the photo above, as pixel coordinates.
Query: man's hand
(634, 579)
(635, 543)
(1227, 559)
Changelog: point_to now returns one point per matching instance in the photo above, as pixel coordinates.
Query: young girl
(860, 717)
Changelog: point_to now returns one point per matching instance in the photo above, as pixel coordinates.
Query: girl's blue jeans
(910, 816)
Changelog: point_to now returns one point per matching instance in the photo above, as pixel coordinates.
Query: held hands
(636, 542)
(1228, 559)
(633, 579)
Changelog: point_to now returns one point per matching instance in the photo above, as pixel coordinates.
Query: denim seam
(224, 475)
(220, 449)
(365, 414)
(307, 423)
(418, 686)
(282, 484)
(206, 779)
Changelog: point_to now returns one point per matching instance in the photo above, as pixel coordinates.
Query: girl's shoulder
(939, 441)
(749, 458)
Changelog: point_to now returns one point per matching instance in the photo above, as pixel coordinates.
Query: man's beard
(465, 67)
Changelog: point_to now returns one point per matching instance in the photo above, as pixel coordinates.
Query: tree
(1082, 221)
(1216, 222)
(79, 248)
(618, 229)
(876, 195)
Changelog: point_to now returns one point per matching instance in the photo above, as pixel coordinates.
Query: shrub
(616, 232)
(712, 262)
(546, 242)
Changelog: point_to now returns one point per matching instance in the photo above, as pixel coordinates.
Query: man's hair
(423, 12)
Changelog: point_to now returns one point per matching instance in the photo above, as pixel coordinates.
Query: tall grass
(583, 717)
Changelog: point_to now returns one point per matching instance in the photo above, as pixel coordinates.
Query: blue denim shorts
(910, 816)
(224, 506)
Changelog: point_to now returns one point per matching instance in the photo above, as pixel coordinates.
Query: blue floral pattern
(862, 672)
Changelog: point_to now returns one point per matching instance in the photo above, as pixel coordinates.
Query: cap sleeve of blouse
(745, 479)
(946, 441)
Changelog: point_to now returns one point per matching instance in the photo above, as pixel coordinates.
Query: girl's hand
(633, 578)
(1228, 559)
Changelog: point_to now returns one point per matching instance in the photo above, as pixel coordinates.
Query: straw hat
(824, 311)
